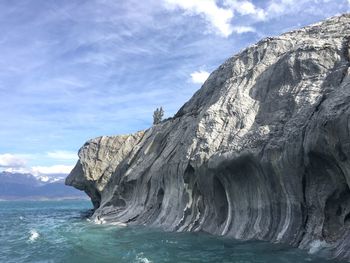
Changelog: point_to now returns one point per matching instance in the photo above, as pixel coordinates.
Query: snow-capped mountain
(27, 186)
(51, 179)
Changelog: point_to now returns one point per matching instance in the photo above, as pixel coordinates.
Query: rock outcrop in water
(261, 151)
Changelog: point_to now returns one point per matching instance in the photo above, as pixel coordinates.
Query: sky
(72, 70)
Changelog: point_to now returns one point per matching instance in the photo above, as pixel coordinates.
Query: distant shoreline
(44, 199)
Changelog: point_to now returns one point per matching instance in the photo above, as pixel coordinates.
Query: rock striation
(261, 151)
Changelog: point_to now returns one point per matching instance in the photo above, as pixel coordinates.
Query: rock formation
(261, 151)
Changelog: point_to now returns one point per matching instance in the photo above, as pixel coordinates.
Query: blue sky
(71, 70)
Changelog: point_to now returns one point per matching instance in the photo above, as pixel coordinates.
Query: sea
(58, 231)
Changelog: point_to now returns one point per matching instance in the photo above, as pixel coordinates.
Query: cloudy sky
(71, 70)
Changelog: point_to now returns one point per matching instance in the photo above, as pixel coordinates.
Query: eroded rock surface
(261, 151)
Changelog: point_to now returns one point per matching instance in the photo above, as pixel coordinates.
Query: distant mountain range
(19, 186)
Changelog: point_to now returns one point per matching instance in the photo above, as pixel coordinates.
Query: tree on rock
(158, 115)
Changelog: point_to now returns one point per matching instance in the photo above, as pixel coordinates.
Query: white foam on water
(170, 242)
(316, 246)
(21, 218)
(118, 224)
(33, 235)
(99, 220)
(102, 221)
(140, 258)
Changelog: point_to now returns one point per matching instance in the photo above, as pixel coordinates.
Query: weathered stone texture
(261, 151)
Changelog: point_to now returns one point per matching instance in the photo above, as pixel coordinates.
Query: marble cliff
(261, 151)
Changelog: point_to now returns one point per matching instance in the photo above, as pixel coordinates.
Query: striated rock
(98, 159)
(261, 151)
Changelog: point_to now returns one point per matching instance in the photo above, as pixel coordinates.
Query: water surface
(55, 231)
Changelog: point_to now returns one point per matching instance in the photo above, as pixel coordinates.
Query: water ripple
(59, 232)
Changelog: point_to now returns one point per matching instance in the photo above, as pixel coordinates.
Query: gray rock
(261, 151)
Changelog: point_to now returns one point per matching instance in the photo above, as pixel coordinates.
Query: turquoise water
(55, 231)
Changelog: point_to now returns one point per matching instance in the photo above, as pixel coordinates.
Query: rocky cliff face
(261, 151)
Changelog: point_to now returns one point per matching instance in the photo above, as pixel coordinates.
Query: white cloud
(18, 163)
(199, 76)
(243, 29)
(218, 17)
(42, 170)
(54, 169)
(246, 8)
(272, 9)
(11, 160)
(63, 155)
(276, 8)
(279, 7)
(22, 170)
